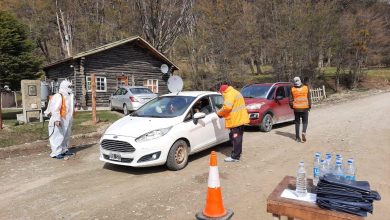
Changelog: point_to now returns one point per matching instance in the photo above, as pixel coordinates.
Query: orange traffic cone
(214, 205)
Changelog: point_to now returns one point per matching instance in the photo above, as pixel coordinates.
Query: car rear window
(255, 91)
(136, 91)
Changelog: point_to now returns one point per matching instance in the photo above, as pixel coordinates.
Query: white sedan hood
(137, 126)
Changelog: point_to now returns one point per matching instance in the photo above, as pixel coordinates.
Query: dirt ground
(38, 187)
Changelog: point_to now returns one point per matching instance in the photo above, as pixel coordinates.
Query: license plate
(116, 157)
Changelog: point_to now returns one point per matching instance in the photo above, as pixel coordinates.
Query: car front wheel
(178, 155)
(266, 123)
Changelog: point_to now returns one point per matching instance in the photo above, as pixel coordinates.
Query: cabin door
(122, 81)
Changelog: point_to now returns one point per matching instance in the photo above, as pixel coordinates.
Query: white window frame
(152, 84)
(97, 88)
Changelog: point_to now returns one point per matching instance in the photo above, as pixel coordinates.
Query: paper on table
(291, 194)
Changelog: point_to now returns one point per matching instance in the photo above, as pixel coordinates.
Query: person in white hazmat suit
(61, 108)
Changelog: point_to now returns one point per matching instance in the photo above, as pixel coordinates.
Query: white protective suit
(60, 136)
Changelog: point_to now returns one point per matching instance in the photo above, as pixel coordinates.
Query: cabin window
(101, 84)
(152, 84)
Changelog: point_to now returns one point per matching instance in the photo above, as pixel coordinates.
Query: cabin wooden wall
(124, 60)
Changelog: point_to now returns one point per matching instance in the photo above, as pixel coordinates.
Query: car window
(280, 92)
(165, 107)
(271, 93)
(137, 91)
(288, 91)
(124, 92)
(255, 91)
(117, 92)
(202, 105)
(217, 102)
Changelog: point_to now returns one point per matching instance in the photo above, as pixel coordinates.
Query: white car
(165, 131)
(130, 98)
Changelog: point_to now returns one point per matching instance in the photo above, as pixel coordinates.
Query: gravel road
(38, 187)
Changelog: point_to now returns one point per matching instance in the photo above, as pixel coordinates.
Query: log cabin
(131, 61)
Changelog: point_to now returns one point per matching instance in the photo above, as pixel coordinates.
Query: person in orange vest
(236, 116)
(61, 109)
(300, 102)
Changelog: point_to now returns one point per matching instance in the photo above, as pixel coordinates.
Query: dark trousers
(305, 119)
(235, 136)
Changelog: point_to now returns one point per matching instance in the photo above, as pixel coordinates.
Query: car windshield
(255, 91)
(136, 91)
(164, 107)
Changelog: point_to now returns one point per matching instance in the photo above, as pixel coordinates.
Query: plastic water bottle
(323, 168)
(301, 183)
(350, 170)
(316, 168)
(338, 158)
(338, 170)
(328, 161)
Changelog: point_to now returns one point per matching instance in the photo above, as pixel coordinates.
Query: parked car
(268, 104)
(165, 130)
(130, 98)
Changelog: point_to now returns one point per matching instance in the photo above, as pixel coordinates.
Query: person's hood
(65, 87)
(297, 81)
(136, 126)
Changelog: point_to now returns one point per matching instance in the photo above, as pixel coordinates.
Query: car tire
(266, 123)
(125, 109)
(178, 155)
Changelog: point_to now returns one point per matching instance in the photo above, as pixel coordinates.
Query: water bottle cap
(301, 163)
(318, 155)
(328, 156)
(323, 161)
(350, 161)
(338, 155)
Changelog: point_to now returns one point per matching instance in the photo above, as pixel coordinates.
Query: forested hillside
(241, 41)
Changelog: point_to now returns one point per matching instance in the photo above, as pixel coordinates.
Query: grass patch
(14, 134)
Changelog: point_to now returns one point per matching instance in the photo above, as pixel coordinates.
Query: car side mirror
(279, 97)
(198, 116)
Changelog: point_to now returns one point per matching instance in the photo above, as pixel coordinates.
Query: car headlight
(254, 106)
(153, 134)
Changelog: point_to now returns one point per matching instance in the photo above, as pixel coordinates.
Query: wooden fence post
(1, 114)
(16, 99)
(93, 87)
(323, 87)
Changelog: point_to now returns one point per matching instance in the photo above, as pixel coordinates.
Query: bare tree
(163, 21)
(65, 31)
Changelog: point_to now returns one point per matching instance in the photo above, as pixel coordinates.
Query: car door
(281, 108)
(289, 112)
(114, 98)
(222, 134)
(202, 131)
(124, 98)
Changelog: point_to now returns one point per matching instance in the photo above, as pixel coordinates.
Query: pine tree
(17, 60)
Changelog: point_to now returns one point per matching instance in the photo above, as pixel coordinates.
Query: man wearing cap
(300, 102)
(236, 116)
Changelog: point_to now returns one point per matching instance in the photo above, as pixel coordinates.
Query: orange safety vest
(233, 109)
(63, 106)
(300, 97)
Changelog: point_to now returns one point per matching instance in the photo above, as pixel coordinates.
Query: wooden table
(279, 206)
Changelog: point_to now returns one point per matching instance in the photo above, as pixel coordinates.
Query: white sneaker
(229, 159)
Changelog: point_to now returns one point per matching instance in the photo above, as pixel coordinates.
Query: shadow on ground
(285, 134)
(81, 147)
